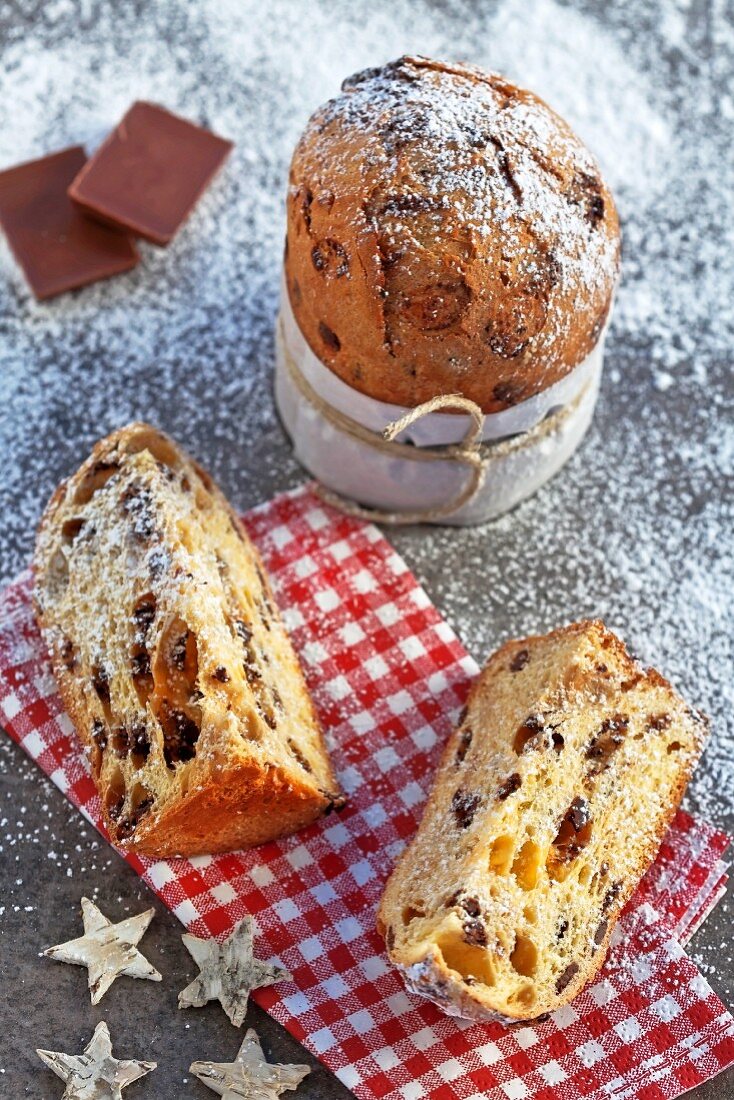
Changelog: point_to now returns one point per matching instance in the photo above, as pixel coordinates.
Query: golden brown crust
(447, 233)
(241, 808)
(171, 658)
(551, 800)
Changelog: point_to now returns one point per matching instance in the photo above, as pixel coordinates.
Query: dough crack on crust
(171, 656)
(552, 797)
(447, 231)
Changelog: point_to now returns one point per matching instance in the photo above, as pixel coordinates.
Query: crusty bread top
(552, 798)
(447, 232)
(168, 646)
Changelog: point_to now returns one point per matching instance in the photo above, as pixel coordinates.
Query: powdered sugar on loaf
(446, 229)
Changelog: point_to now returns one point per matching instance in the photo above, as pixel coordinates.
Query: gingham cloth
(388, 676)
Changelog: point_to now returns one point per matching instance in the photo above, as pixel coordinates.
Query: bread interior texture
(181, 676)
(553, 796)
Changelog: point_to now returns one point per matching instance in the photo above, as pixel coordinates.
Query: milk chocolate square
(56, 246)
(149, 173)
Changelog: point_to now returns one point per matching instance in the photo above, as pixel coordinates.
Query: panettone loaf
(171, 656)
(552, 798)
(447, 233)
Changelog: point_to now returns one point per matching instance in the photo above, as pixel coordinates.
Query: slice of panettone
(551, 801)
(171, 656)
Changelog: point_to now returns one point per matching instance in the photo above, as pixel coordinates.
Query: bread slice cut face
(551, 800)
(171, 656)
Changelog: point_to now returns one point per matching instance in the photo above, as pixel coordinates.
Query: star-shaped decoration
(107, 949)
(229, 972)
(249, 1077)
(95, 1074)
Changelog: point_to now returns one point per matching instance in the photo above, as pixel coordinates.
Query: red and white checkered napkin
(388, 675)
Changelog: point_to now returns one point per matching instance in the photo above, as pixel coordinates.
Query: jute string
(470, 452)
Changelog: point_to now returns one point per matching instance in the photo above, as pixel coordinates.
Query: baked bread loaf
(447, 233)
(171, 657)
(552, 798)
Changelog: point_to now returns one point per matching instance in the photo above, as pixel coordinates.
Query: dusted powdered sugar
(489, 157)
(479, 243)
(638, 527)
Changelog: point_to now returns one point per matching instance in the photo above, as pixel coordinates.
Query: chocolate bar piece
(149, 173)
(56, 246)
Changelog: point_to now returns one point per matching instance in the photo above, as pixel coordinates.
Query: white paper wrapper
(553, 422)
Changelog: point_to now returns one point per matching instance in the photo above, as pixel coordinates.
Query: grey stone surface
(50, 860)
(638, 528)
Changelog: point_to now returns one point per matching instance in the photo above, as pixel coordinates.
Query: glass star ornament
(229, 972)
(249, 1076)
(107, 950)
(95, 1074)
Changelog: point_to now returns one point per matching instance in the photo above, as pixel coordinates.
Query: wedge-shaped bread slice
(171, 656)
(551, 801)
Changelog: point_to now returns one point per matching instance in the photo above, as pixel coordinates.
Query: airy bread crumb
(552, 798)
